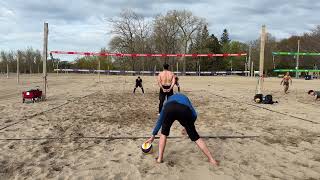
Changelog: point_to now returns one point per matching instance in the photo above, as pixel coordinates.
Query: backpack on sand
(268, 99)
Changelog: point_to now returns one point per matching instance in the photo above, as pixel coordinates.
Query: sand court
(78, 107)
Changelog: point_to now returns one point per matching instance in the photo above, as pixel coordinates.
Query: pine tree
(225, 38)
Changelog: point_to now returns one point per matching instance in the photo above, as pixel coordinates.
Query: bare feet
(214, 162)
(158, 160)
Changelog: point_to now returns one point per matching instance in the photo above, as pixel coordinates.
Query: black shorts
(138, 85)
(163, 95)
(175, 111)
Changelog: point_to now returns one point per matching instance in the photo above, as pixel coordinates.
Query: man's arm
(281, 82)
(156, 128)
(158, 124)
(173, 81)
(194, 113)
(159, 81)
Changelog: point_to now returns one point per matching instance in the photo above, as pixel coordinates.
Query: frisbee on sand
(146, 147)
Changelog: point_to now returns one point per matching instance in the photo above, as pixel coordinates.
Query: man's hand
(166, 90)
(150, 140)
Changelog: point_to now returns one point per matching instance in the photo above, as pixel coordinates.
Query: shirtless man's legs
(163, 96)
(166, 81)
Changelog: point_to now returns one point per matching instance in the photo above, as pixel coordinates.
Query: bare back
(166, 78)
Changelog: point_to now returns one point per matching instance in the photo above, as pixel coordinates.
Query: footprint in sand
(171, 163)
(117, 155)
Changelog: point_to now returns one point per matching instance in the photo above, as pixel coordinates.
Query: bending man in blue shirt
(178, 107)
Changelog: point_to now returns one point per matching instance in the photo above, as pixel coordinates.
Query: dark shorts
(177, 84)
(182, 113)
(138, 85)
(163, 95)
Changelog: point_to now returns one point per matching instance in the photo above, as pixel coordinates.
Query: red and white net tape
(147, 55)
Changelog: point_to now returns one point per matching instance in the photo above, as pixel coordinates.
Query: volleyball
(146, 147)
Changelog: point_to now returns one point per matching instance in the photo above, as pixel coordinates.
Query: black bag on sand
(268, 99)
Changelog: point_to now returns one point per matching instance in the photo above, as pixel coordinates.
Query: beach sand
(66, 137)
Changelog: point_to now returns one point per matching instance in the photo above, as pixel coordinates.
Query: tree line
(175, 32)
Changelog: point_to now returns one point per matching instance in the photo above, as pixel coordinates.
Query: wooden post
(246, 67)
(177, 68)
(199, 69)
(7, 70)
(274, 64)
(18, 70)
(250, 63)
(99, 67)
(44, 59)
(261, 65)
(184, 65)
(297, 63)
(57, 68)
(30, 69)
(252, 70)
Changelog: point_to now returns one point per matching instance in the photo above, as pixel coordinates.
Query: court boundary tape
(110, 138)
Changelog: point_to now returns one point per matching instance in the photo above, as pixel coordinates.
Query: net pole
(297, 60)
(261, 65)
(44, 59)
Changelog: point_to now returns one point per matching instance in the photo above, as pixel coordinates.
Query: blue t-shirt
(177, 98)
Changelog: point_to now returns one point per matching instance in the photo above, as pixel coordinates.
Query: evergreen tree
(216, 48)
(225, 37)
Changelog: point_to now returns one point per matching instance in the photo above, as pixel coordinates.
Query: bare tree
(189, 25)
(131, 32)
(166, 34)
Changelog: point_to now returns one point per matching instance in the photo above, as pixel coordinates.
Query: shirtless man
(285, 82)
(166, 81)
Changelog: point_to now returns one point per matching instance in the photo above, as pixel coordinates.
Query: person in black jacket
(138, 84)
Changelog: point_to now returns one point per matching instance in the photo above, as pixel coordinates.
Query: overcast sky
(80, 25)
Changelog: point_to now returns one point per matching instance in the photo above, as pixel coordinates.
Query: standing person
(315, 94)
(166, 82)
(138, 84)
(285, 82)
(177, 82)
(178, 107)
